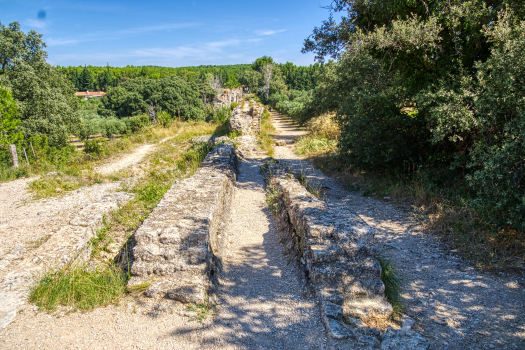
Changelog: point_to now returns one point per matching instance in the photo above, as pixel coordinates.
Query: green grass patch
(79, 287)
(272, 198)
(51, 186)
(266, 141)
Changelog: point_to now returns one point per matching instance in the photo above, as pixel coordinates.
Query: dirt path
(261, 302)
(127, 160)
(453, 304)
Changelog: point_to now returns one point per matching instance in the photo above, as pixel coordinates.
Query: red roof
(90, 93)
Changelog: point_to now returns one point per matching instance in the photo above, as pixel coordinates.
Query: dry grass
(266, 140)
(325, 126)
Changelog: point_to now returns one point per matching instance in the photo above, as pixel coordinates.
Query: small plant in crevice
(202, 310)
(235, 133)
(315, 189)
(392, 283)
(272, 198)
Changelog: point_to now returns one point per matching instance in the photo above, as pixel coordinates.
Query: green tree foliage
(174, 95)
(46, 104)
(437, 84)
(105, 77)
(8, 121)
(86, 81)
(232, 82)
(251, 79)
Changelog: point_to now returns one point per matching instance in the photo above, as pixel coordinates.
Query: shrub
(324, 125)
(93, 147)
(164, 119)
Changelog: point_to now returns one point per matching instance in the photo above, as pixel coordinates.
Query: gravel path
(455, 305)
(122, 162)
(261, 305)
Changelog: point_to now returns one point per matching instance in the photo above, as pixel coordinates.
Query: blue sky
(169, 33)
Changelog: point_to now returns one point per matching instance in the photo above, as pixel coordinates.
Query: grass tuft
(79, 288)
(202, 310)
(266, 140)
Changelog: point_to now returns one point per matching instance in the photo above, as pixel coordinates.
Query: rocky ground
(453, 304)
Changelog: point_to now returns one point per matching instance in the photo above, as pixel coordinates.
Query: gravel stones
(180, 244)
(403, 340)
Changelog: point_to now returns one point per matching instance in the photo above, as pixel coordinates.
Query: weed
(202, 310)
(139, 288)
(272, 199)
(392, 286)
(79, 287)
(38, 243)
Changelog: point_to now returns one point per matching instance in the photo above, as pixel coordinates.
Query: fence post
(14, 156)
(25, 154)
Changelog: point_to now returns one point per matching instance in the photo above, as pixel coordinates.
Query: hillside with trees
(429, 92)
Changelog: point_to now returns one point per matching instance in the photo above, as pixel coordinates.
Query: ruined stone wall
(247, 124)
(256, 113)
(179, 247)
(335, 247)
(229, 96)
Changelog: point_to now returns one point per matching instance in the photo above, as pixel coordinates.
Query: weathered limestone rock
(209, 138)
(336, 249)
(280, 143)
(69, 245)
(228, 96)
(179, 246)
(241, 123)
(403, 339)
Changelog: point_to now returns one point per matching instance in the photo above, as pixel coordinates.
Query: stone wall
(229, 96)
(335, 248)
(247, 124)
(179, 247)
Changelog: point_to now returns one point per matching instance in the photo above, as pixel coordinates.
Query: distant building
(87, 94)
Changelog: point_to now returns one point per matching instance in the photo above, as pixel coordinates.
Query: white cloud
(35, 23)
(50, 42)
(198, 50)
(163, 27)
(269, 32)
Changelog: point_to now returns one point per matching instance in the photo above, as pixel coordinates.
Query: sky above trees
(168, 33)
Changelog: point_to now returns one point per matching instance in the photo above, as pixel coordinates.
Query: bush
(164, 119)
(93, 147)
(137, 123)
(325, 125)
